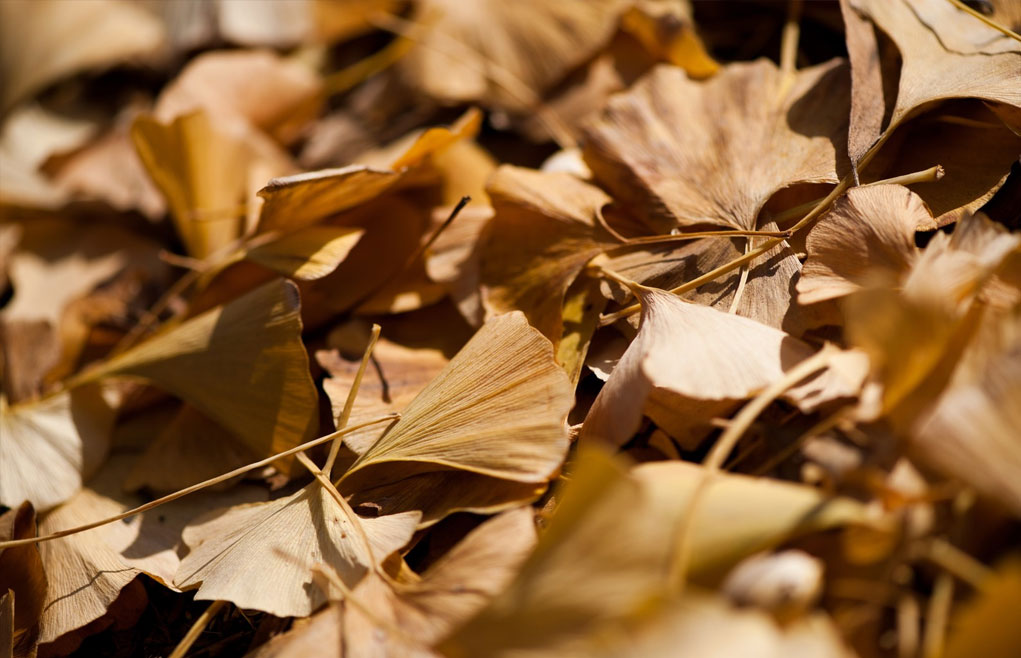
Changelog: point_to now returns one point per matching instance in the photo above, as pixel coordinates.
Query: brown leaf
(687, 153)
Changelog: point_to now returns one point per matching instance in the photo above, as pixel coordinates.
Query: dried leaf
(686, 153)
(498, 409)
(49, 447)
(307, 254)
(691, 351)
(867, 237)
(207, 360)
(542, 234)
(22, 574)
(606, 552)
(260, 555)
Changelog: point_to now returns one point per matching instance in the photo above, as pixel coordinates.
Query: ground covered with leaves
(510, 328)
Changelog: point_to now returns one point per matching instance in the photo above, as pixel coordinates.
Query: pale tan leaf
(692, 351)
(268, 400)
(944, 53)
(272, 94)
(686, 153)
(984, 626)
(868, 234)
(261, 555)
(448, 593)
(309, 253)
(497, 409)
(49, 447)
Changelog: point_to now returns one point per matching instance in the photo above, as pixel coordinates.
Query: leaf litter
(630, 327)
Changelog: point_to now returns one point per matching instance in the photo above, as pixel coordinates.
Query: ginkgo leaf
(301, 200)
(542, 234)
(261, 555)
(203, 171)
(268, 400)
(399, 375)
(944, 54)
(869, 234)
(608, 547)
(89, 572)
(453, 261)
(686, 153)
(307, 254)
(498, 409)
(983, 626)
(45, 41)
(49, 447)
(504, 54)
(690, 351)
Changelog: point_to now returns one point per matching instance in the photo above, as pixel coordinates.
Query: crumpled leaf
(497, 410)
(685, 351)
(945, 54)
(868, 236)
(304, 199)
(261, 555)
(686, 153)
(542, 234)
(607, 549)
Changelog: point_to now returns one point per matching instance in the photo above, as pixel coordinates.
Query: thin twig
(197, 487)
(196, 629)
(985, 19)
(722, 448)
(345, 414)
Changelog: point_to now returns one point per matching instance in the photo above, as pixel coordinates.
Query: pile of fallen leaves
(510, 328)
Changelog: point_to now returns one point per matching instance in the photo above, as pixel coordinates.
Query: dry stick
(340, 81)
(930, 175)
(345, 414)
(197, 487)
(601, 220)
(493, 72)
(465, 200)
(936, 615)
(789, 46)
(196, 629)
(341, 501)
(698, 235)
(988, 21)
(908, 614)
(742, 280)
(958, 563)
(722, 448)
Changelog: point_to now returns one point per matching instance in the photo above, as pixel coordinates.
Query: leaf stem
(988, 21)
(345, 414)
(678, 572)
(196, 487)
(181, 650)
